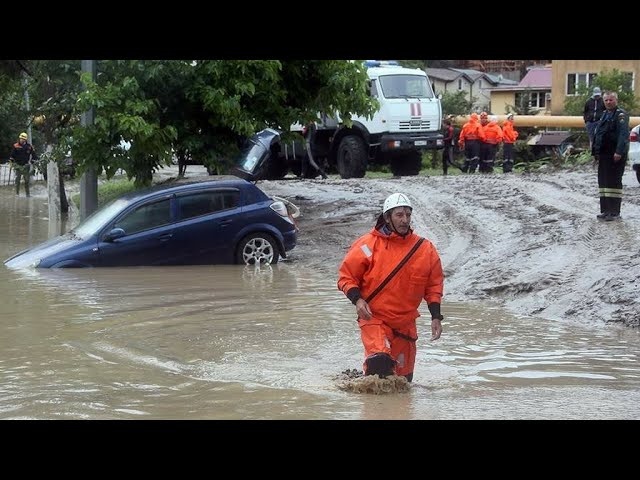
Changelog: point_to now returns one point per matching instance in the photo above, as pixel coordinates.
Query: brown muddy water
(231, 342)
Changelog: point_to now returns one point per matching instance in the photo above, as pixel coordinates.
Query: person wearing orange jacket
(492, 139)
(387, 320)
(509, 137)
(469, 140)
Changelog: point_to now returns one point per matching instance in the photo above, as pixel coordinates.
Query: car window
(203, 203)
(147, 216)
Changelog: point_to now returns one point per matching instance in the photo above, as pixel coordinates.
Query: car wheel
(638, 175)
(257, 249)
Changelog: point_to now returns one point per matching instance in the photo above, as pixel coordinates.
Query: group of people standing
(480, 139)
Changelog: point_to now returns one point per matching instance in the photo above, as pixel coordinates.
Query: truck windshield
(405, 86)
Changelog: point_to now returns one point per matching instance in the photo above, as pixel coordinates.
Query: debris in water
(352, 380)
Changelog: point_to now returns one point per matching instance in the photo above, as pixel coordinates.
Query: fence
(7, 175)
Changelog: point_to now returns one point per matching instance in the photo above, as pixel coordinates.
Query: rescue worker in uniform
(447, 152)
(22, 155)
(388, 320)
(484, 121)
(471, 136)
(509, 137)
(610, 149)
(492, 139)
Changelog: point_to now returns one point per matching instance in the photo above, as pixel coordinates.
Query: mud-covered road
(530, 242)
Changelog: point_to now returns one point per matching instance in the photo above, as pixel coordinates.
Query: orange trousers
(378, 337)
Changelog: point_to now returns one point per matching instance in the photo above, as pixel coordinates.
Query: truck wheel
(352, 157)
(406, 164)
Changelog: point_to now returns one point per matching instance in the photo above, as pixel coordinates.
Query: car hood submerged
(31, 257)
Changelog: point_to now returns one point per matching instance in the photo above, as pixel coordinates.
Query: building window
(628, 82)
(574, 80)
(459, 84)
(531, 99)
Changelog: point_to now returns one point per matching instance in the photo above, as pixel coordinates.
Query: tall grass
(107, 191)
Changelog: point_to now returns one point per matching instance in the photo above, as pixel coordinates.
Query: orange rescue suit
(472, 130)
(493, 133)
(509, 134)
(368, 262)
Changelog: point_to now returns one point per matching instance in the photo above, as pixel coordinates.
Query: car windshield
(250, 156)
(98, 219)
(405, 86)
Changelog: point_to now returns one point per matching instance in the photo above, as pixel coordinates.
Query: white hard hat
(396, 200)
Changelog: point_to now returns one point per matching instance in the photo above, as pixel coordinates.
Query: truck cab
(408, 122)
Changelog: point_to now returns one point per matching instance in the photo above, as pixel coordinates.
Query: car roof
(217, 181)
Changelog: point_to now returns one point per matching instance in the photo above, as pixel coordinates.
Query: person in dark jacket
(593, 110)
(22, 156)
(610, 149)
(447, 152)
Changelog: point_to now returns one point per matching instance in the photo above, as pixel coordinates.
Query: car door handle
(165, 237)
(224, 223)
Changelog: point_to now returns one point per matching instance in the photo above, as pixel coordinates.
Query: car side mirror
(114, 235)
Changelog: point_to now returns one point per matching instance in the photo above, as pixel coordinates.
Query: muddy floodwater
(233, 342)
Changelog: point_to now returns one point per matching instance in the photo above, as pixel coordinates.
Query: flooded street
(233, 342)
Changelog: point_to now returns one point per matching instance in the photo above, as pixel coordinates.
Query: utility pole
(89, 181)
(27, 105)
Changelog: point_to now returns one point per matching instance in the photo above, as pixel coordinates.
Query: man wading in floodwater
(387, 316)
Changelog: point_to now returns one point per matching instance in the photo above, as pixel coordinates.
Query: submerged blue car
(227, 220)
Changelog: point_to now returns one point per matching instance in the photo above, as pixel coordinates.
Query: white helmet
(396, 200)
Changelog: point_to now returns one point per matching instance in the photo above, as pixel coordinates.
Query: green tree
(13, 109)
(52, 87)
(205, 108)
(612, 80)
(456, 104)
(147, 111)
(413, 63)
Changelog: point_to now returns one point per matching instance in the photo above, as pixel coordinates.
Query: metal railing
(7, 175)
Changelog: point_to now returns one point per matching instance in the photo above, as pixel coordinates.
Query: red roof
(537, 78)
